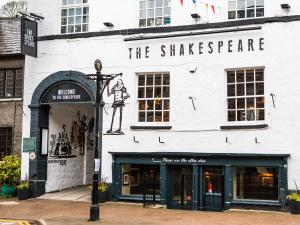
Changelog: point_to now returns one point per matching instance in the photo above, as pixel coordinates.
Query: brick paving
(54, 212)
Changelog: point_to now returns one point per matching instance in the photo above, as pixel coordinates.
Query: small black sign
(66, 92)
(29, 37)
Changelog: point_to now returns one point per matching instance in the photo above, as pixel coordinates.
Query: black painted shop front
(201, 181)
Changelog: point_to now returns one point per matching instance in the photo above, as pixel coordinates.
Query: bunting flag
(181, 1)
(213, 9)
(194, 1)
(206, 6)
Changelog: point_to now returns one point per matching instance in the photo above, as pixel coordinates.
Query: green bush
(10, 169)
(295, 196)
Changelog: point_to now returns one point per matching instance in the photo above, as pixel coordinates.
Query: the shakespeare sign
(29, 37)
(197, 48)
(66, 92)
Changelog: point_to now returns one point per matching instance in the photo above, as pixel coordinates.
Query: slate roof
(10, 36)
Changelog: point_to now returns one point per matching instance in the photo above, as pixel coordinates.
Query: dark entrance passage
(181, 187)
(213, 190)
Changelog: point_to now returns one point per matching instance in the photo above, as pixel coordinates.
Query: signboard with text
(29, 37)
(66, 92)
(29, 144)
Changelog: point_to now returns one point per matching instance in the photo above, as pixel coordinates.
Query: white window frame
(154, 123)
(166, 6)
(75, 6)
(245, 96)
(245, 9)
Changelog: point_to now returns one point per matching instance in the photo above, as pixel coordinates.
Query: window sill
(256, 202)
(150, 127)
(244, 127)
(10, 99)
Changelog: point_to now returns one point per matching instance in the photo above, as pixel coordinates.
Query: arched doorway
(61, 105)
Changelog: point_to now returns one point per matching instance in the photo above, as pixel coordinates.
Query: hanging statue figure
(120, 95)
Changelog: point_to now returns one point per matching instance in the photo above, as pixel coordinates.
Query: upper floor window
(154, 13)
(5, 141)
(11, 83)
(241, 9)
(74, 16)
(154, 97)
(245, 95)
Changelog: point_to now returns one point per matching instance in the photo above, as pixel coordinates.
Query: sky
(2, 2)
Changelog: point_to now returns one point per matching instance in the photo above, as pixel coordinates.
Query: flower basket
(23, 190)
(8, 190)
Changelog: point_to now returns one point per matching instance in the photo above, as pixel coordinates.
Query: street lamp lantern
(98, 65)
(102, 80)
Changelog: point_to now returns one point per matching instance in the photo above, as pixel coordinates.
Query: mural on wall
(72, 144)
(120, 95)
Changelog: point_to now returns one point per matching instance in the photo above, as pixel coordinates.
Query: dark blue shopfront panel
(200, 197)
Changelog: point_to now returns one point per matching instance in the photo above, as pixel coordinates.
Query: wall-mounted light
(195, 16)
(285, 6)
(108, 24)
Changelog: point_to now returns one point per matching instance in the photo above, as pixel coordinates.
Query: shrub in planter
(10, 171)
(23, 190)
(102, 190)
(294, 202)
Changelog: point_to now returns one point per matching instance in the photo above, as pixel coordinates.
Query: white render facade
(197, 58)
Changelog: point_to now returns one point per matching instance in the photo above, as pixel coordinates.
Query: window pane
(70, 29)
(158, 79)
(241, 14)
(63, 29)
(166, 78)
(158, 12)
(64, 12)
(166, 116)
(231, 90)
(240, 103)
(158, 21)
(250, 3)
(143, 4)
(241, 115)
(78, 28)
(157, 92)
(142, 13)
(167, 11)
(167, 3)
(259, 75)
(260, 12)
(231, 104)
(260, 114)
(85, 10)
(231, 14)
(259, 3)
(142, 105)
(19, 83)
(159, 3)
(150, 116)
(158, 116)
(260, 183)
(230, 77)
(259, 88)
(241, 4)
(150, 12)
(250, 89)
(150, 105)
(71, 12)
(240, 90)
(250, 103)
(85, 27)
(71, 20)
(141, 93)
(142, 23)
(231, 115)
(149, 92)
(141, 80)
(260, 102)
(150, 4)
(231, 5)
(158, 104)
(78, 20)
(64, 2)
(142, 116)
(9, 85)
(166, 104)
(64, 21)
(166, 92)
(250, 13)
(250, 75)
(78, 11)
(2, 82)
(251, 115)
(167, 20)
(85, 19)
(71, 2)
(149, 80)
(240, 77)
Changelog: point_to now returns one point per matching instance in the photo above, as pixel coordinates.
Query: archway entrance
(62, 117)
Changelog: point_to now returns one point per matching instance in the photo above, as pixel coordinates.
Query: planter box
(8, 190)
(23, 194)
(102, 197)
(294, 207)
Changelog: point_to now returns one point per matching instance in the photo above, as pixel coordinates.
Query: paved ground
(54, 212)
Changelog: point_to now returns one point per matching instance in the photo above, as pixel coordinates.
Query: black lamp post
(100, 87)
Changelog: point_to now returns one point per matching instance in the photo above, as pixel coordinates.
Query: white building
(211, 121)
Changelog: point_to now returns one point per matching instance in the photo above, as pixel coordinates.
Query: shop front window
(140, 179)
(255, 183)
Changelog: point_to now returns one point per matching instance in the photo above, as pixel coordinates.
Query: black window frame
(6, 149)
(17, 91)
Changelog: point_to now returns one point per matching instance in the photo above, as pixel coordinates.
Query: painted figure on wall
(62, 145)
(83, 128)
(120, 95)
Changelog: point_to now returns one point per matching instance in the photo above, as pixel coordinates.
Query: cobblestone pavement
(52, 212)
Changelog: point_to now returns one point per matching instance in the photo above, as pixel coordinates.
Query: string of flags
(207, 6)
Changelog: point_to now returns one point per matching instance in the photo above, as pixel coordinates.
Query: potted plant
(294, 201)
(102, 190)
(23, 190)
(10, 171)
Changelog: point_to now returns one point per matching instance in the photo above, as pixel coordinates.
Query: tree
(11, 8)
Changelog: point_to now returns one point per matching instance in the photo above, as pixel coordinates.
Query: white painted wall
(192, 131)
(124, 13)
